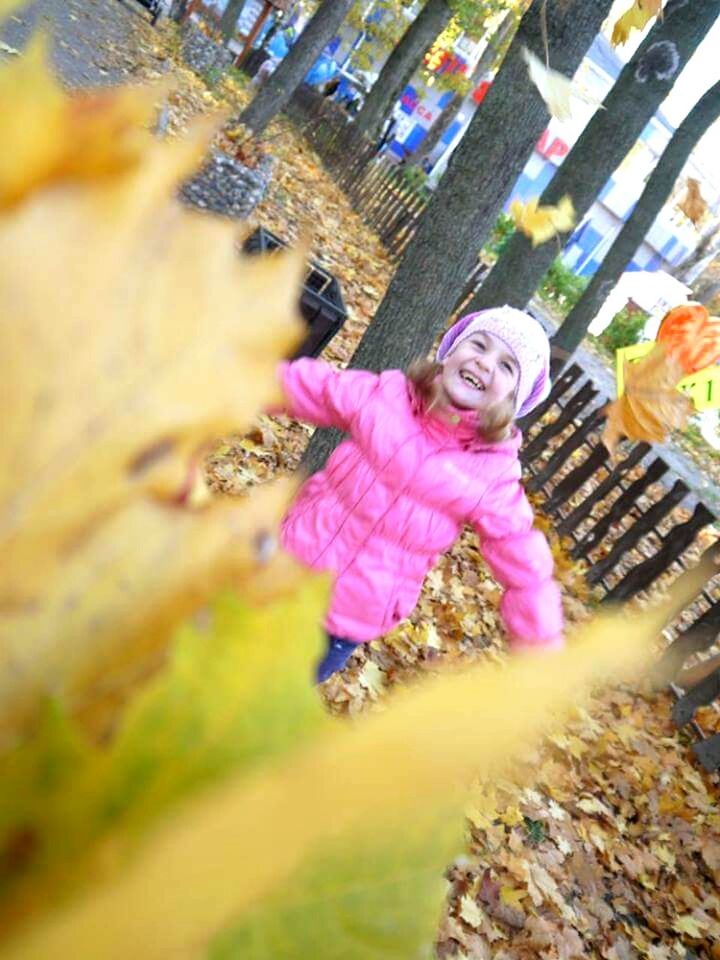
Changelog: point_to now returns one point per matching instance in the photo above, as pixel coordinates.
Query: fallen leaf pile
(613, 850)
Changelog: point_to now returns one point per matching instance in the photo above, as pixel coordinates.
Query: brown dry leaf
(651, 405)
(137, 337)
(694, 205)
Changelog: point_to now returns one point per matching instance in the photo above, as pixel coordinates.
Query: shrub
(562, 287)
(501, 233)
(624, 329)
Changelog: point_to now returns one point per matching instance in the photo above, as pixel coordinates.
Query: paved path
(92, 40)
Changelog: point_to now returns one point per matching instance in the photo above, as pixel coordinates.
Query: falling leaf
(636, 18)
(651, 405)
(10, 51)
(543, 223)
(555, 88)
(694, 205)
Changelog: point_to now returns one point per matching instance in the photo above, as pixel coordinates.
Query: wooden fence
(633, 522)
(378, 189)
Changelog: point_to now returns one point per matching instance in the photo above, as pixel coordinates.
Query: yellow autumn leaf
(384, 770)
(651, 405)
(134, 335)
(690, 926)
(635, 18)
(511, 817)
(542, 223)
(555, 88)
(471, 911)
(512, 897)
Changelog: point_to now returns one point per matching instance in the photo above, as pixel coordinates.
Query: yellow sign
(702, 387)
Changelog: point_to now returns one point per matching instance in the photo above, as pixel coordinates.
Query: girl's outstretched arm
(321, 394)
(520, 559)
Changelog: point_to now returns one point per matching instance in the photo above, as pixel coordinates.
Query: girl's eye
(480, 344)
(506, 365)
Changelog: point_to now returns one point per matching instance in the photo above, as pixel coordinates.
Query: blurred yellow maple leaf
(543, 223)
(134, 335)
(651, 405)
(389, 770)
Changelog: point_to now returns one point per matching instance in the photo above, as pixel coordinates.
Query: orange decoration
(691, 335)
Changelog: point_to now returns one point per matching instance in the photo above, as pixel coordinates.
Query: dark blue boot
(338, 653)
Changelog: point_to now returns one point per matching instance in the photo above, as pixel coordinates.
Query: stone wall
(201, 53)
(228, 187)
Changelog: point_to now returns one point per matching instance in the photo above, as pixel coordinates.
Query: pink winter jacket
(395, 496)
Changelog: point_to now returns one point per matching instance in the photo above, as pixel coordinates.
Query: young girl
(427, 453)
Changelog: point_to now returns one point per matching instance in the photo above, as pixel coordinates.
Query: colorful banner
(702, 387)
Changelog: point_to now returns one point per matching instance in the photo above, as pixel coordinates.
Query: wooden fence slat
(700, 695)
(562, 455)
(574, 519)
(620, 508)
(673, 545)
(569, 485)
(644, 525)
(560, 387)
(695, 638)
(708, 752)
(574, 407)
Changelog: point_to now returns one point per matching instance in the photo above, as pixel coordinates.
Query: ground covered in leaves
(606, 841)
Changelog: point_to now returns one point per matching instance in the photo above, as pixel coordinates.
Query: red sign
(480, 91)
(551, 148)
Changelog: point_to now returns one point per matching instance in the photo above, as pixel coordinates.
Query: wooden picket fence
(375, 186)
(633, 522)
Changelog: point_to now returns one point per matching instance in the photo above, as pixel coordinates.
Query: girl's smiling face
(479, 373)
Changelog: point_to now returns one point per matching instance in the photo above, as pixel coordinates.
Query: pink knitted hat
(525, 339)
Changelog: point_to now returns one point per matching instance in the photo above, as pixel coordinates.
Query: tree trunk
(290, 73)
(229, 19)
(177, 10)
(693, 265)
(445, 118)
(639, 91)
(463, 210)
(400, 66)
(657, 190)
(706, 288)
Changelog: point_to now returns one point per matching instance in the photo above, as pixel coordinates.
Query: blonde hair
(497, 421)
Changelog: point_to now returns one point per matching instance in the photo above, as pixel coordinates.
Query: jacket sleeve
(519, 558)
(321, 394)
